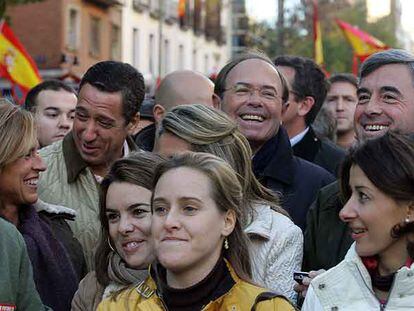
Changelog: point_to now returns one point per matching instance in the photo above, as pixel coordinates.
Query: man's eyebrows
(363, 90)
(390, 89)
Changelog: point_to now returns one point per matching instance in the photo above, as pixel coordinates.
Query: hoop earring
(110, 245)
(226, 244)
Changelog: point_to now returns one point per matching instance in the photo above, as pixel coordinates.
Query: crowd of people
(271, 188)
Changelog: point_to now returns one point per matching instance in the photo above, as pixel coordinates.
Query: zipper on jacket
(162, 300)
(382, 305)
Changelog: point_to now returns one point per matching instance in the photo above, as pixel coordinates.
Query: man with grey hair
(385, 102)
(255, 94)
(181, 87)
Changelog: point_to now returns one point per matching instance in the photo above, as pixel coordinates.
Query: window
(151, 50)
(95, 36)
(195, 63)
(206, 64)
(115, 43)
(73, 29)
(135, 47)
(180, 57)
(166, 53)
(171, 9)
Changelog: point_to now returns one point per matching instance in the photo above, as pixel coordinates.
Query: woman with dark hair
(203, 262)
(124, 250)
(377, 179)
(56, 256)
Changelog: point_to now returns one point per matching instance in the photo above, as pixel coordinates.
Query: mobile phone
(298, 276)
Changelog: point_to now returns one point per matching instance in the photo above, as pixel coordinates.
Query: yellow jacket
(241, 297)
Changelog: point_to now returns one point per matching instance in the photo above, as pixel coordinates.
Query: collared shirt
(295, 139)
(125, 153)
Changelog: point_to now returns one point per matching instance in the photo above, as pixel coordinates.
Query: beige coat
(69, 182)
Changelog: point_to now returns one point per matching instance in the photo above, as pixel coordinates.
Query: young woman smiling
(378, 270)
(203, 260)
(125, 249)
(276, 242)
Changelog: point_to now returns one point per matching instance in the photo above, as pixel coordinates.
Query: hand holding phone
(298, 276)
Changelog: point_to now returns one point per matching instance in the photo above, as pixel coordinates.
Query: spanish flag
(181, 12)
(317, 35)
(362, 43)
(16, 64)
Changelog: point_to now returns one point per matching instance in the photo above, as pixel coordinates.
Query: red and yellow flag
(181, 11)
(317, 35)
(362, 43)
(16, 64)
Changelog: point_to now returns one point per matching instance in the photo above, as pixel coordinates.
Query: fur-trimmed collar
(41, 206)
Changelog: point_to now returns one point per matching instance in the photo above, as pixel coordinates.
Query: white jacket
(276, 250)
(347, 286)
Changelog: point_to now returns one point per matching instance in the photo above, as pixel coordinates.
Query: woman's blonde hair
(212, 131)
(227, 193)
(17, 132)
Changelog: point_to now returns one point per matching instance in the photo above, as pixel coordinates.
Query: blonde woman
(276, 242)
(203, 262)
(56, 256)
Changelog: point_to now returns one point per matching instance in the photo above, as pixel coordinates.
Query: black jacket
(318, 151)
(327, 238)
(297, 180)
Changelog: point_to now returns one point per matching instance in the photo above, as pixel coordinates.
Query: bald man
(183, 87)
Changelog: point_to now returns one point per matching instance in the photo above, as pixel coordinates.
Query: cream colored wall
(217, 55)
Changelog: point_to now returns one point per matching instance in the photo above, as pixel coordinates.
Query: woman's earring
(226, 244)
(407, 218)
(110, 245)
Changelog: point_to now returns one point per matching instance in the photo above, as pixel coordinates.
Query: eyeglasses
(244, 91)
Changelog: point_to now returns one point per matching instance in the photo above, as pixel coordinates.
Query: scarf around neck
(118, 271)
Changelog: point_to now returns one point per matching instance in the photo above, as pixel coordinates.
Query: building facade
(162, 36)
(66, 37)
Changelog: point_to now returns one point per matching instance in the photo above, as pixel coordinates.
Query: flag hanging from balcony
(181, 12)
(317, 35)
(362, 43)
(16, 64)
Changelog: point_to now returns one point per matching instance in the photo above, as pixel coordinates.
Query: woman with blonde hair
(276, 242)
(56, 256)
(203, 262)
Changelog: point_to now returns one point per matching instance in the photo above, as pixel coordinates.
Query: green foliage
(298, 32)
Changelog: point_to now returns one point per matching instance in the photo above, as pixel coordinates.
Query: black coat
(327, 239)
(297, 180)
(319, 151)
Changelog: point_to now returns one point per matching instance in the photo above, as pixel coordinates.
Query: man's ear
(132, 126)
(305, 105)
(159, 112)
(216, 101)
(285, 107)
(230, 220)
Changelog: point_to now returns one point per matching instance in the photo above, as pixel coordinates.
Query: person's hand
(302, 289)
